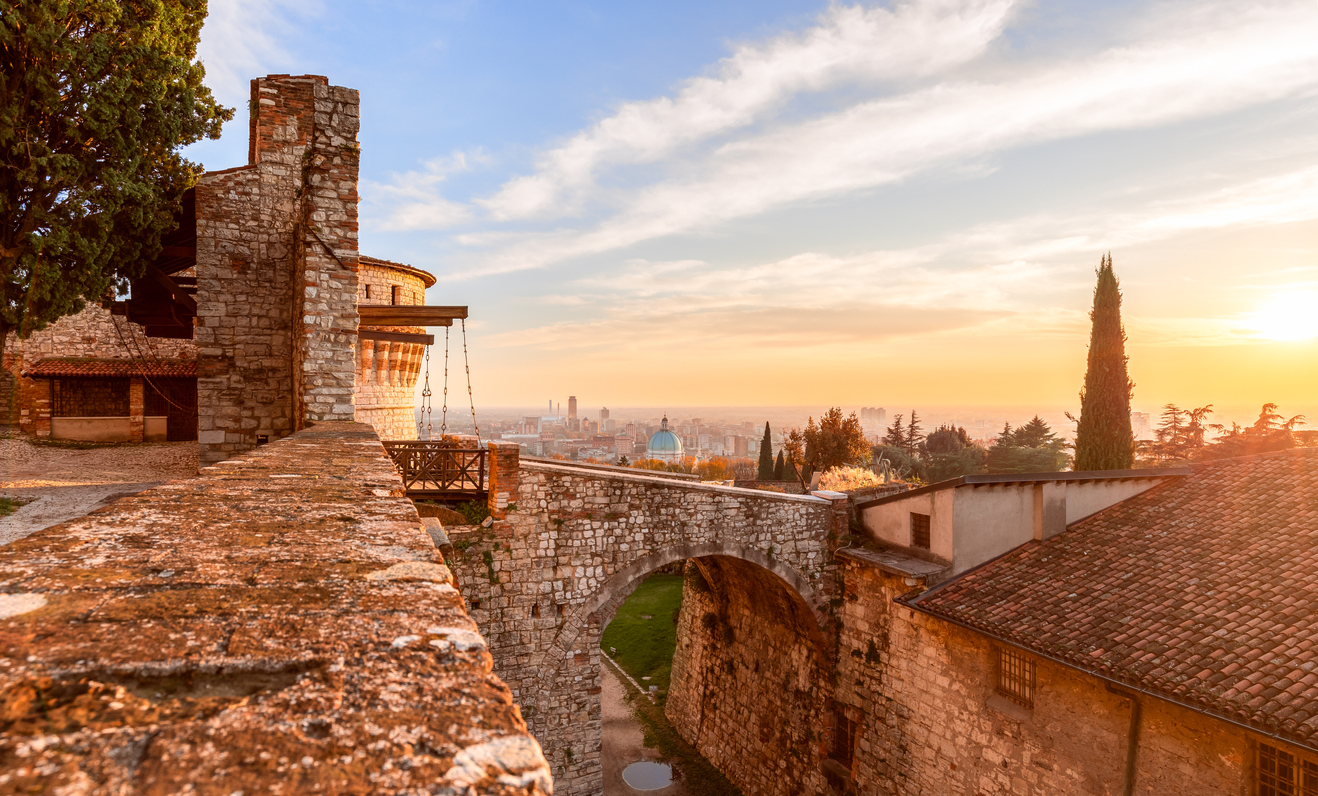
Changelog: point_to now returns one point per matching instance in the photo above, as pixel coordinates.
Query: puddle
(648, 776)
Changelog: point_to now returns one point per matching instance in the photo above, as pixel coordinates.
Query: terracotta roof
(67, 367)
(1202, 590)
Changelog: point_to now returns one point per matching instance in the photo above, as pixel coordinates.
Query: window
(368, 291)
(89, 397)
(920, 530)
(1281, 773)
(395, 295)
(844, 737)
(1015, 677)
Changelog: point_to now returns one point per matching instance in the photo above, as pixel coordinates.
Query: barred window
(920, 530)
(844, 737)
(1015, 677)
(1281, 773)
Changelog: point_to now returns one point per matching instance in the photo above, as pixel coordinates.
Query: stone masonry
(277, 270)
(545, 580)
(280, 624)
(387, 371)
(930, 723)
(751, 682)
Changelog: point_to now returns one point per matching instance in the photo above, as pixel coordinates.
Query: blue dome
(664, 444)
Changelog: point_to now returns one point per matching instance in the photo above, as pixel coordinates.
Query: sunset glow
(1289, 317)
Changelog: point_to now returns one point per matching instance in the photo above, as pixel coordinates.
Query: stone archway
(784, 644)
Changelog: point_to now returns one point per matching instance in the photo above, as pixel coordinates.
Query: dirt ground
(64, 482)
(623, 740)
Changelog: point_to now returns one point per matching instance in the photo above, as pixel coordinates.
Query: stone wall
(93, 333)
(387, 371)
(280, 624)
(276, 270)
(751, 682)
(543, 582)
(931, 723)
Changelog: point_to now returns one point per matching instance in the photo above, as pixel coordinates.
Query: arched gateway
(749, 677)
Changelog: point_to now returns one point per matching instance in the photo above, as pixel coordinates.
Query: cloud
(243, 38)
(850, 45)
(412, 200)
(1219, 58)
(1013, 279)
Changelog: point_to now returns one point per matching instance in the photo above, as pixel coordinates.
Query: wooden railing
(439, 470)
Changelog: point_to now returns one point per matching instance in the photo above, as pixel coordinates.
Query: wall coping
(731, 491)
(281, 602)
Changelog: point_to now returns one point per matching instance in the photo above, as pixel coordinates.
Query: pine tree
(914, 435)
(1103, 437)
(780, 467)
(896, 436)
(766, 456)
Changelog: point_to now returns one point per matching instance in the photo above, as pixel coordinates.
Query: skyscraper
(572, 407)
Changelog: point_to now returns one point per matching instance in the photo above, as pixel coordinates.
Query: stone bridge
(752, 671)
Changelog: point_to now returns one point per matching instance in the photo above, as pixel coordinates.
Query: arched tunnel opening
(738, 681)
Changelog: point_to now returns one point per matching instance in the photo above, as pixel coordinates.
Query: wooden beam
(396, 337)
(403, 315)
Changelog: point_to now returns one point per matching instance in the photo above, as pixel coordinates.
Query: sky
(809, 203)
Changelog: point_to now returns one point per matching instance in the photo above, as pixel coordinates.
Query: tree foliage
(1032, 448)
(948, 452)
(779, 467)
(896, 435)
(765, 468)
(96, 98)
(1180, 436)
(1270, 432)
(835, 442)
(1103, 436)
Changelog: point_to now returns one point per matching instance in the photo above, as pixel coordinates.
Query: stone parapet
(282, 623)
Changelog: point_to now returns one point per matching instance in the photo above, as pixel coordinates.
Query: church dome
(664, 444)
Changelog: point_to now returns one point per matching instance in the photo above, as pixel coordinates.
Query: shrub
(845, 479)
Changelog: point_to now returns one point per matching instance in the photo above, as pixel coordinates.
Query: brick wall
(276, 270)
(930, 723)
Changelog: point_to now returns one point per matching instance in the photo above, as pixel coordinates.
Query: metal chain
(443, 424)
(425, 401)
(467, 362)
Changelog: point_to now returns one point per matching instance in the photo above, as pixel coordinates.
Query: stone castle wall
(276, 271)
(930, 722)
(93, 332)
(387, 371)
(547, 578)
(751, 685)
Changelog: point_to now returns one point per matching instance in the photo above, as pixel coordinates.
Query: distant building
(604, 414)
(664, 445)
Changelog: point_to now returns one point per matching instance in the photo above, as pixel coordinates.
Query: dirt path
(623, 740)
(64, 483)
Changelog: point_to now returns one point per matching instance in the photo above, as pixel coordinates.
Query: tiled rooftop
(73, 367)
(1203, 590)
(280, 624)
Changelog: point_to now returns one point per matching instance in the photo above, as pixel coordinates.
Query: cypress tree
(766, 456)
(1103, 437)
(778, 469)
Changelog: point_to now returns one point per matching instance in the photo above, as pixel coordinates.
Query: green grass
(9, 505)
(646, 646)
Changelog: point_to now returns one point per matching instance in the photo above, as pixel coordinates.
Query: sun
(1288, 316)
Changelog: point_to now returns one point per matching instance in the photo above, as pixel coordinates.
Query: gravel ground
(623, 741)
(65, 482)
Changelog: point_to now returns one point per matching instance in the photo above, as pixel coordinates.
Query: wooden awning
(403, 315)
